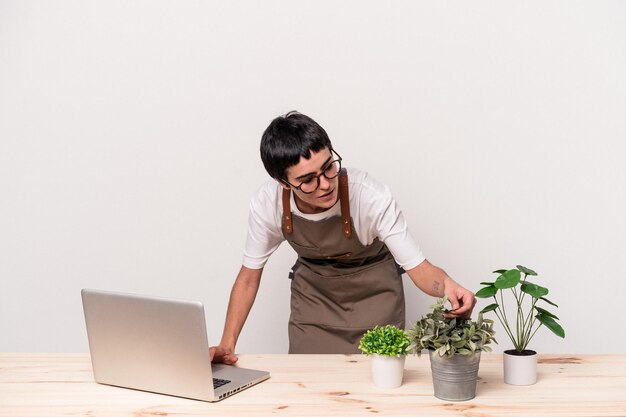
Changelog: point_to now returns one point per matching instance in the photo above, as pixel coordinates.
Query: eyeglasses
(312, 182)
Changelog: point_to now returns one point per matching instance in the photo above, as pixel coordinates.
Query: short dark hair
(288, 138)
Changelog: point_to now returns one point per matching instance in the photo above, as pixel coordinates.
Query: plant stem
(523, 293)
(502, 305)
(504, 320)
(531, 322)
(528, 324)
(506, 327)
(531, 336)
(519, 320)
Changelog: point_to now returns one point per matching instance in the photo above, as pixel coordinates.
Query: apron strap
(344, 200)
(287, 223)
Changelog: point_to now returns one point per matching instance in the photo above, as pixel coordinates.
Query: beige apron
(339, 287)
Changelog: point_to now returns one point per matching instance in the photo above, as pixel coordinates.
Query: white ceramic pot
(387, 371)
(520, 369)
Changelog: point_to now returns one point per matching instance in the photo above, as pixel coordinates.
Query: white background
(129, 134)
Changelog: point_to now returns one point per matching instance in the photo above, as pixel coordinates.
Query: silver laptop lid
(149, 343)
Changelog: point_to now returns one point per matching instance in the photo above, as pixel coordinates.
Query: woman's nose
(324, 183)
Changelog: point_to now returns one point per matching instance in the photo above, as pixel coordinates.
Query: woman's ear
(281, 182)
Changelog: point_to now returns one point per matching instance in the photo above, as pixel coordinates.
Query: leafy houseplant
(389, 346)
(529, 317)
(453, 336)
(454, 347)
(387, 341)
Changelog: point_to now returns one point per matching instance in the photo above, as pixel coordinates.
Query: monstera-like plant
(528, 315)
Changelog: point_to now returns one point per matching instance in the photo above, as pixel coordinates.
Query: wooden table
(320, 385)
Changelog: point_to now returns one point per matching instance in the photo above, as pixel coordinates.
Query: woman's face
(305, 172)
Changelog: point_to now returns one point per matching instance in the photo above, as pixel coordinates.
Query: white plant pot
(387, 371)
(520, 369)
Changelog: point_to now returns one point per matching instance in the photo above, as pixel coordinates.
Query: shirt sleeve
(264, 228)
(388, 224)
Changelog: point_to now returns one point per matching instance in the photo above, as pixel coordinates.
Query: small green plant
(526, 323)
(449, 336)
(387, 340)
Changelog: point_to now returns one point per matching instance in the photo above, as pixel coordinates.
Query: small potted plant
(388, 346)
(454, 347)
(520, 363)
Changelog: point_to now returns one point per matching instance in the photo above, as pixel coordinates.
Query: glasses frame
(317, 177)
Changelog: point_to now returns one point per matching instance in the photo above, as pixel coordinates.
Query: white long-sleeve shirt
(374, 212)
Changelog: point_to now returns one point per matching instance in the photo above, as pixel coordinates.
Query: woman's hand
(461, 300)
(222, 354)
(434, 281)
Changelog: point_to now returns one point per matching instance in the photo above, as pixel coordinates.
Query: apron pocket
(363, 298)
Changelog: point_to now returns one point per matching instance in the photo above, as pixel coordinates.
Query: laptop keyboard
(219, 382)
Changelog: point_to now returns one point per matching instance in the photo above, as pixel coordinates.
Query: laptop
(158, 345)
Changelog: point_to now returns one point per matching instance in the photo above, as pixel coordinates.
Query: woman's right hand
(222, 354)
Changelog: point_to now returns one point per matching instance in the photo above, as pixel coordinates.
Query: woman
(352, 242)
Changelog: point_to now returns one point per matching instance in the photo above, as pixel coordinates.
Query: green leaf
(387, 340)
(534, 290)
(486, 283)
(526, 271)
(551, 324)
(499, 271)
(449, 335)
(549, 302)
(508, 279)
(487, 292)
(490, 307)
(546, 312)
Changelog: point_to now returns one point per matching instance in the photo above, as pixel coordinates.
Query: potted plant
(520, 363)
(388, 346)
(454, 347)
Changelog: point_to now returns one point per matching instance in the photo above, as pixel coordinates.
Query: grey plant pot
(454, 377)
